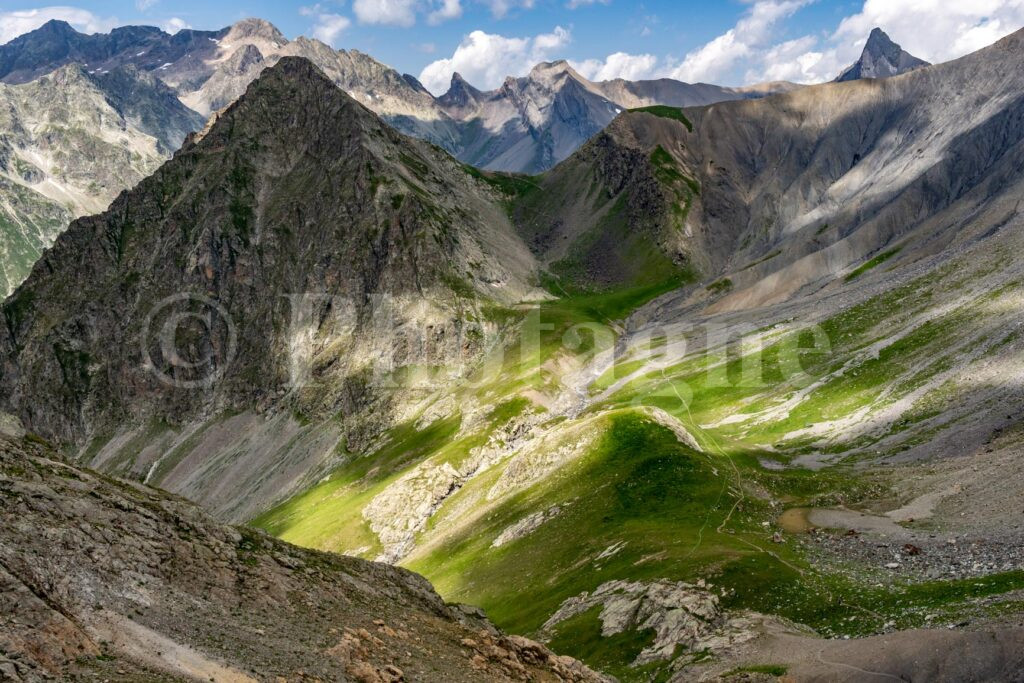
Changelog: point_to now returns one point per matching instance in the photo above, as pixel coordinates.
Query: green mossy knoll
(666, 112)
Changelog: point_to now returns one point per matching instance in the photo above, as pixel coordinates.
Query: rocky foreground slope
(105, 578)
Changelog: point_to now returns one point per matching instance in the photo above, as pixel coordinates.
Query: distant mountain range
(70, 142)
(139, 91)
(527, 125)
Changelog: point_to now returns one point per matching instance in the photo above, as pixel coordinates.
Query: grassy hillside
(624, 494)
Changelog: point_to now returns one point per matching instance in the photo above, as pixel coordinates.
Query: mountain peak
(297, 71)
(253, 27)
(878, 34)
(881, 58)
(548, 69)
(274, 100)
(460, 94)
(56, 27)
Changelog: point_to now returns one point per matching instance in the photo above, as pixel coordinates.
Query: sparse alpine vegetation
(733, 392)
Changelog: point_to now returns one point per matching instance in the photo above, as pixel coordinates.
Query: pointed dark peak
(460, 93)
(878, 37)
(881, 58)
(295, 75)
(298, 69)
(55, 27)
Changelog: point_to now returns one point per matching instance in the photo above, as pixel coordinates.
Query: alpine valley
(332, 379)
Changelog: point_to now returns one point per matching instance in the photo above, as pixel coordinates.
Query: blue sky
(731, 42)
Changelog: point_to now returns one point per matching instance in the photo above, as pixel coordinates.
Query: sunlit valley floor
(630, 459)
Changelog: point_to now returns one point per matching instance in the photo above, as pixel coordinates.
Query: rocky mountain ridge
(509, 129)
(162, 86)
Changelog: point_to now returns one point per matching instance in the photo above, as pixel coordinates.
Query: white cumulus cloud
(752, 34)
(328, 25)
(934, 30)
(448, 9)
(499, 8)
(16, 22)
(485, 59)
(394, 12)
(174, 24)
(619, 65)
(405, 12)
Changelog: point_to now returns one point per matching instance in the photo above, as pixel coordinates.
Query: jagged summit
(460, 97)
(881, 58)
(306, 81)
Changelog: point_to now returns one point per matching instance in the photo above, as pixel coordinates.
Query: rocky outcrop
(526, 525)
(881, 58)
(680, 614)
(403, 509)
(99, 577)
(399, 512)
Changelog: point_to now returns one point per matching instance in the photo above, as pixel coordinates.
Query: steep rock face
(294, 189)
(881, 58)
(148, 105)
(102, 577)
